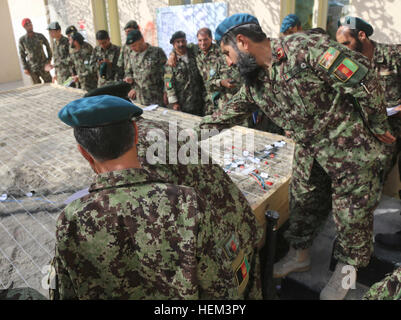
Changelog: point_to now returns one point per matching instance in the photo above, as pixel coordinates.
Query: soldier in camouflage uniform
(125, 52)
(332, 103)
(104, 59)
(387, 289)
(33, 58)
(201, 243)
(354, 33)
(61, 53)
(80, 62)
(145, 70)
(220, 82)
(183, 82)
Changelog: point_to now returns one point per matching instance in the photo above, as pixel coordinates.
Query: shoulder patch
(346, 70)
(329, 57)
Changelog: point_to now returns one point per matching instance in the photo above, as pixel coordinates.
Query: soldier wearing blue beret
(161, 232)
(330, 99)
(291, 24)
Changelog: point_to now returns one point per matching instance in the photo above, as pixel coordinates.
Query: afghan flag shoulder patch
(329, 57)
(346, 70)
(242, 274)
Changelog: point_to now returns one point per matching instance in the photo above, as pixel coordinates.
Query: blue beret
(357, 24)
(234, 21)
(98, 111)
(289, 21)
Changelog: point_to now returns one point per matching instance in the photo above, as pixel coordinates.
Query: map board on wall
(188, 18)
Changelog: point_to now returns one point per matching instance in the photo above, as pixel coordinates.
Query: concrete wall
(10, 71)
(383, 15)
(144, 12)
(74, 12)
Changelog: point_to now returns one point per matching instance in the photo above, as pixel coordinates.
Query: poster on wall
(188, 18)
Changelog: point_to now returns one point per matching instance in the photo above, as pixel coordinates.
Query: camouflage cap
(54, 26)
(98, 111)
(132, 24)
(356, 23)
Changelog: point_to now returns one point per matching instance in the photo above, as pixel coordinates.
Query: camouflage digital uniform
(33, 57)
(61, 59)
(387, 289)
(184, 85)
(331, 101)
(147, 70)
(166, 231)
(81, 65)
(213, 68)
(387, 63)
(123, 59)
(113, 72)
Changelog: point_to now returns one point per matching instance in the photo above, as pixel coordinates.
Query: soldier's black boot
(389, 240)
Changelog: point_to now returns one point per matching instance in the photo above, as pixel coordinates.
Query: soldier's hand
(398, 109)
(54, 79)
(165, 98)
(75, 78)
(132, 94)
(228, 83)
(176, 107)
(172, 60)
(26, 71)
(129, 80)
(387, 138)
(48, 67)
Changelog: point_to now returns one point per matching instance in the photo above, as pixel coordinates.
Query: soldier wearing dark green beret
(149, 231)
(331, 101)
(145, 70)
(123, 60)
(84, 75)
(184, 85)
(104, 59)
(355, 33)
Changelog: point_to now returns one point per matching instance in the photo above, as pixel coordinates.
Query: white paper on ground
(151, 107)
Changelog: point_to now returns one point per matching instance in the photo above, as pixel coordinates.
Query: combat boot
(338, 287)
(294, 261)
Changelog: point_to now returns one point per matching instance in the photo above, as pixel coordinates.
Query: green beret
(131, 25)
(356, 23)
(70, 29)
(178, 35)
(78, 37)
(98, 111)
(133, 36)
(232, 22)
(119, 89)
